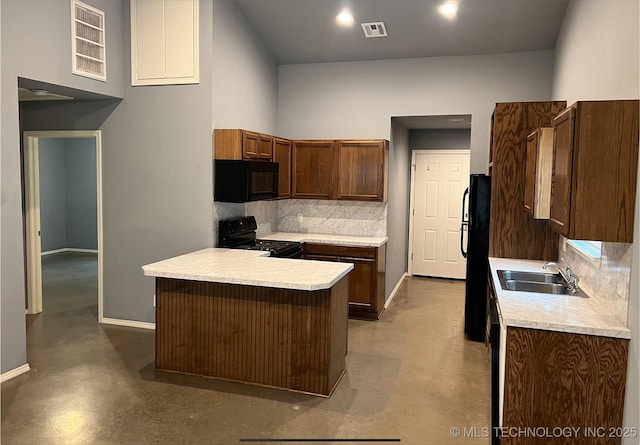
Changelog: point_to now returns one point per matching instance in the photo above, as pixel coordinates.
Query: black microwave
(244, 181)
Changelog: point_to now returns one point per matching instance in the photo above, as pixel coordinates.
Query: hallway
(410, 376)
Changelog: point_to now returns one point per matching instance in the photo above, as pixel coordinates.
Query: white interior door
(439, 181)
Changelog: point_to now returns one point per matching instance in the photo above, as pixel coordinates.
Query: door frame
(414, 153)
(32, 212)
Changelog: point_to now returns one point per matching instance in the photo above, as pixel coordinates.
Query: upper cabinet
(242, 144)
(313, 169)
(361, 170)
(282, 155)
(164, 42)
(595, 165)
(256, 146)
(537, 192)
(341, 169)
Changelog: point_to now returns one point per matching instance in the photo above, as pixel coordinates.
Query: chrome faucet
(567, 276)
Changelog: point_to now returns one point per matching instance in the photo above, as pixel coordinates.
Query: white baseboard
(68, 249)
(129, 323)
(395, 290)
(14, 372)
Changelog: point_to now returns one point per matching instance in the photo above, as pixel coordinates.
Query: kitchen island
(239, 315)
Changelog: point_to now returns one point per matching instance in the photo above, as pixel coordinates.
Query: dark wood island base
(281, 338)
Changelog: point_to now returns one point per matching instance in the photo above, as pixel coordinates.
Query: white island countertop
(250, 268)
(321, 238)
(564, 313)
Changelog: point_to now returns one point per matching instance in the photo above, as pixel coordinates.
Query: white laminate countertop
(251, 268)
(342, 240)
(564, 313)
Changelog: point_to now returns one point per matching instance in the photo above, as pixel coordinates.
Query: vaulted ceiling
(305, 31)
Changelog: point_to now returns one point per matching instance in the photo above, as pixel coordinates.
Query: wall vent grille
(88, 41)
(374, 29)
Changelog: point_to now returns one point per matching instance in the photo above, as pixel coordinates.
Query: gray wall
(53, 194)
(245, 93)
(440, 139)
(597, 57)
(397, 205)
(81, 183)
(245, 75)
(157, 179)
(334, 100)
(36, 44)
(68, 190)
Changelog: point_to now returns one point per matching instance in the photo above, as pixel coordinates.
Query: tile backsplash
(606, 280)
(308, 216)
(333, 217)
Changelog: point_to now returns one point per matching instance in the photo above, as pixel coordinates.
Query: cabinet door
(361, 170)
(265, 147)
(164, 42)
(530, 172)
(250, 145)
(537, 191)
(362, 282)
(282, 155)
(562, 168)
(313, 166)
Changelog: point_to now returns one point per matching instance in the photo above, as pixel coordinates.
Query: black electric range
(240, 233)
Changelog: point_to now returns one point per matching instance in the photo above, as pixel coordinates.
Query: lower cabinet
(554, 387)
(366, 280)
(566, 383)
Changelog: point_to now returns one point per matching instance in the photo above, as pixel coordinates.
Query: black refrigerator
(476, 223)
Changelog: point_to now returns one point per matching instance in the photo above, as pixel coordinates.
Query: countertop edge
(160, 270)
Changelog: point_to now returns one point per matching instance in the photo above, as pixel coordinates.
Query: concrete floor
(410, 376)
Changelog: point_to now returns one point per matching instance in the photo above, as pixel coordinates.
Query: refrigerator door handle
(462, 230)
(465, 217)
(464, 223)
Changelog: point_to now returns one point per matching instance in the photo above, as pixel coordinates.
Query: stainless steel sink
(545, 283)
(530, 276)
(531, 286)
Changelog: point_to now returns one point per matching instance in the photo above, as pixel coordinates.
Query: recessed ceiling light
(345, 18)
(448, 10)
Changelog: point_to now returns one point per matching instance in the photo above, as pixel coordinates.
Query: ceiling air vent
(88, 41)
(374, 29)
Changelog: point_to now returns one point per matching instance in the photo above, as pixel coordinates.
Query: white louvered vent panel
(374, 29)
(88, 41)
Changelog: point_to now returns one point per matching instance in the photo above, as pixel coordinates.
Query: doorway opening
(439, 146)
(49, 204)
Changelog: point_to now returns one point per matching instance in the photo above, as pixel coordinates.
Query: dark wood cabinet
(537, 190)
(313, 169)
(564, 379)
(595, 171)
(242, 144)
(361, 170)
(513, 233)
(282, 155)
(341, 169)
(366, 280)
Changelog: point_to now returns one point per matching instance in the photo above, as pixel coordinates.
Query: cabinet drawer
(331, 249)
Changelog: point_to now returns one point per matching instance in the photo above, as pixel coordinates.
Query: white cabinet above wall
(164, 42)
